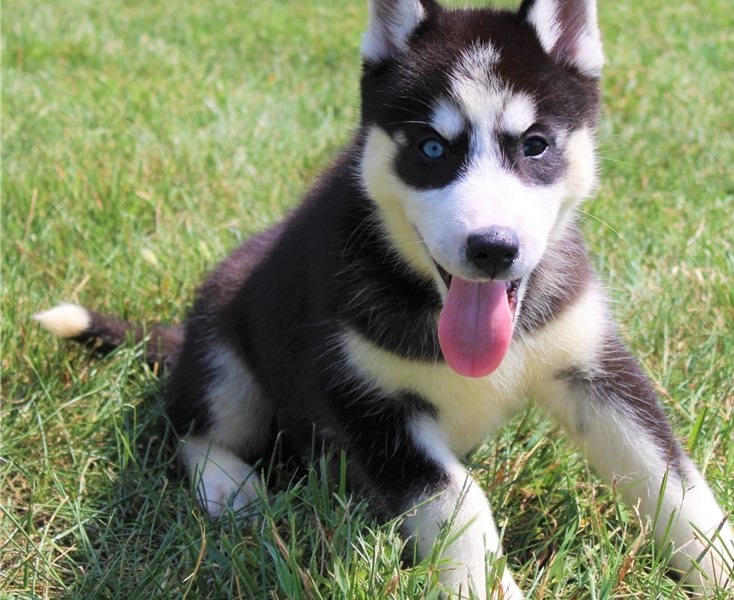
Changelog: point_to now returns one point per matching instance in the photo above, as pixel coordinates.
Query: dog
(431, 281)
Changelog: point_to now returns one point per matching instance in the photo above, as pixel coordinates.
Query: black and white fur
(325, 325)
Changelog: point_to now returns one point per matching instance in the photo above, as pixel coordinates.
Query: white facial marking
(518, 114)
(474, 88)
(400, 138)
(384, 186)
(447, 120)
(475, 62)
(485, 195)
(581, 173)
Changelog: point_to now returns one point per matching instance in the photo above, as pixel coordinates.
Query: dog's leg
(459, 504)
(214, 400)
(405, 458)
(610, 409)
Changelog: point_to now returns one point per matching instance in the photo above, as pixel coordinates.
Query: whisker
(622, 162)
(403, 108)
(418, 100)
(409, 123)
(603, 222)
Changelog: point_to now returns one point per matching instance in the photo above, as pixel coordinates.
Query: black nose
(492, 250)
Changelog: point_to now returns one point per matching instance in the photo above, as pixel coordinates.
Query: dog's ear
(391, 24)
(568, 32)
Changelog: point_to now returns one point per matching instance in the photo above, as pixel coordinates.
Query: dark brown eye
(534, 146)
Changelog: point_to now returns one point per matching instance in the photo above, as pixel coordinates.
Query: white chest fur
(470, 410)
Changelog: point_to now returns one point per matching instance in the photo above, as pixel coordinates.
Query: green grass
(142, 141)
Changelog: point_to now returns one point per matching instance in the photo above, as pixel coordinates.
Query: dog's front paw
(473, 588)
(707, 560)
(510, 590)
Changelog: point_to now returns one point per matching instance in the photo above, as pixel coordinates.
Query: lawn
(143, 140)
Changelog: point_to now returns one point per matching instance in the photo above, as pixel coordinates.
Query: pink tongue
(475, 326)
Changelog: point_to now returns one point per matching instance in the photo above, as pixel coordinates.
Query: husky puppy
(429, 283)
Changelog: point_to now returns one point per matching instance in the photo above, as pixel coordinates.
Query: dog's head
(478, 143)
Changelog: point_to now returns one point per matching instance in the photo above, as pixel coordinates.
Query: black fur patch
(543, 170)
(376, 295)
(380, 442)
(421, 172)
(558, 280)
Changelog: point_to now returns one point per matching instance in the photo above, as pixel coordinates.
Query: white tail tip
(65, 320)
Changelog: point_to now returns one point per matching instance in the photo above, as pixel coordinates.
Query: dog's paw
(220, 490)
(223, 480)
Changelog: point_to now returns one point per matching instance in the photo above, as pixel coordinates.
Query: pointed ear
(568, 32)
(391, 24)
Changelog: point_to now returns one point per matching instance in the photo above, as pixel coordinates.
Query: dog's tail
(104, 333)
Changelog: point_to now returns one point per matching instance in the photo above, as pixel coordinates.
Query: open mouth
(476, 322)
(511, 287)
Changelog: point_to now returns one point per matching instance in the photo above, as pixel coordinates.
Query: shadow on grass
(149, 538)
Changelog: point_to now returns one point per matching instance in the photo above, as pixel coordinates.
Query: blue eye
(432, 148)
